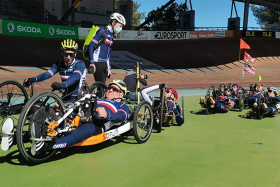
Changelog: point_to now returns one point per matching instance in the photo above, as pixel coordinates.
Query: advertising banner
(0, 26)
(220, 34)
(193, 34)
(135, 35)
(206, 34)
(170, 35)
(277, 35)
(83, 32)
(268, 34)
(18, 28)
(104, 7)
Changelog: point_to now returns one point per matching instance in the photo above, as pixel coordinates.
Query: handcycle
(215, 95)
(13, 97)
(51, 113)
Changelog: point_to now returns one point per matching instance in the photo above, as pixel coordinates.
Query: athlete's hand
(109, 74)
(101, 112)
(92, 65)
(56, 86)
(27, 82)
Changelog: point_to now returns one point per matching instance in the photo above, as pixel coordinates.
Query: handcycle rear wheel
(260, 111)
(85, 89)
(161, 113)
(13, 96)
(143, 122)
(241, 101)
(41, 107)
(209, 94)
(183, 108)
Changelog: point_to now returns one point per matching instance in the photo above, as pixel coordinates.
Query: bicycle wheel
(85, 89)
(161, 116)
(40, 110)
(143, 122)
(241, 101)
(95, 87)
(260, 111)
(183, 108)
(210, 93)
(13, 96)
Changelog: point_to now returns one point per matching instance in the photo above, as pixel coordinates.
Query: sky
(208, 13)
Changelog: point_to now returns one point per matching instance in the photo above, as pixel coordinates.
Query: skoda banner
(18, 28)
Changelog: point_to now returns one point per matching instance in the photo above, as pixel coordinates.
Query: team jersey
(73, 76)
(117, 112)
(102, 53)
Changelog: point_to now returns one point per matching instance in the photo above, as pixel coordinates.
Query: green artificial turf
(207, 150)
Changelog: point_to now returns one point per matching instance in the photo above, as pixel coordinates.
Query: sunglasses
(168, 91)
(67, 54)
(114, 89)
(269, 90)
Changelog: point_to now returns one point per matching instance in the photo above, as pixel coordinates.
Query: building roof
(269, 3)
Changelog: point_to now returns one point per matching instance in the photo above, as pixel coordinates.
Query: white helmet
(273, 89)
(118, 17)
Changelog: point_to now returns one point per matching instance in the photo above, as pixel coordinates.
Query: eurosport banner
(170, 35)
(268, 34)
(135, 35)
(18, 28)
(202, 34)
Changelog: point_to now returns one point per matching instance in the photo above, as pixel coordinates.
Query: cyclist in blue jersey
(253, 101)
(71, 70)
(274, 101)
(100, 58)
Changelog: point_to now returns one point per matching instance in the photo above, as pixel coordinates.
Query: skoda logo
(11, 27)
(51, 31)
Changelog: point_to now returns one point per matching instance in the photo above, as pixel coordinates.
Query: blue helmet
(235, 85)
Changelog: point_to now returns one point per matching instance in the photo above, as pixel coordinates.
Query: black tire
(260, 111)
(210, 93)
(13, 97)
(241, 101)
(44, 100)
(183, 108)
(94, 88)
(161, 116)
(142, 128)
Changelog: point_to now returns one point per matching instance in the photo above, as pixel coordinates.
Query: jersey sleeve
(76, 76)
(95, 40)
(178, 116)
(121, 115)
(51, 72)
(143, 81)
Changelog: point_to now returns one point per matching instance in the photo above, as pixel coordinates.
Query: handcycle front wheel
(209, 94)
(39, 111)
(241, 101)
(260, 112)
(97, 88)
(13, 96)
(143, 122)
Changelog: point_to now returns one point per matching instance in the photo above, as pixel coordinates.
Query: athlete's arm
(51, 72)
(99, 34)
(76, 76)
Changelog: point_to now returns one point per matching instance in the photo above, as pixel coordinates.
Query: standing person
(71, 70)
(100, 56)
(131, 84)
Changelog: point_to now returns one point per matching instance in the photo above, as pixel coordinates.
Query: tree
(137, 16)
(169, 18)
(265, 15)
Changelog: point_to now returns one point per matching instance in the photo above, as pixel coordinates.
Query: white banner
(170, 35)
(83, 32)
(277, 34)
(135, 35)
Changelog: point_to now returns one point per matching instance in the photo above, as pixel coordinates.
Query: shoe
(212, 102)
(265, 108)
(201, 102)
(7, 134)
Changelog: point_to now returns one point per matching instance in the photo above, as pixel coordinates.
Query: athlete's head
(69, 50)
(260, 88)
(171, 92)
(116, 90)
(235, 87)
(117, 21)
(272, 91)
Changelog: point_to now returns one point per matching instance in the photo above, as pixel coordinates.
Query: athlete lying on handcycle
(171, 96)
(253, 101)
(111, 109)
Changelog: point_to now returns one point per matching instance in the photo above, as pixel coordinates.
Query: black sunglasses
(67, 54)
(114, 89)
(167, 91)
(269, 90)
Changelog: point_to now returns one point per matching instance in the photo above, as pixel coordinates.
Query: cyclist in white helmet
(100, 48)
(273, 101)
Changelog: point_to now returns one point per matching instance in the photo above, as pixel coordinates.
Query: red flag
(248, 58)
(249, 68)
(243, 45)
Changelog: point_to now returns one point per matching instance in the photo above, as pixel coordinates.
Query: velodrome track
(215, 150)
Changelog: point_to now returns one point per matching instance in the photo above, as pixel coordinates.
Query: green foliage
(265, 15)
(137, 16)
(168, 18)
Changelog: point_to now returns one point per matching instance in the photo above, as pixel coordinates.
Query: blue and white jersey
(73, 76)
(103, 52)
